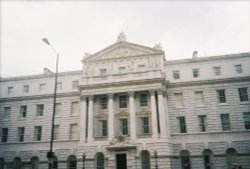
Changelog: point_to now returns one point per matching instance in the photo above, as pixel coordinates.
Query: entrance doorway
(121, 161)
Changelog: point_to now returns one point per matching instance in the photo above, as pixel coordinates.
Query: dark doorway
(121, 161)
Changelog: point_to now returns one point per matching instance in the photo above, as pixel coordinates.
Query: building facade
(129, 108)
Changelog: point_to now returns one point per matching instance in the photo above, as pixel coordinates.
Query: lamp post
(83, 160)
(50, 154)
(155, 155)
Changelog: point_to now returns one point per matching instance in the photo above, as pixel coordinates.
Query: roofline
(39, 76)
(208, 58)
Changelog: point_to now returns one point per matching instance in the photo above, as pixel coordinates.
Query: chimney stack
(195, 55)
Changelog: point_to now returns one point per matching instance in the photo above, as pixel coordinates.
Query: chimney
(195, 55)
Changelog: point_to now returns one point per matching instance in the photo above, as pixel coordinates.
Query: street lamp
(155, 155)
(50, 154)
(83, 160)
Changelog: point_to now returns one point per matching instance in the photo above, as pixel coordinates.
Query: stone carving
(121, 37)
(158, 46)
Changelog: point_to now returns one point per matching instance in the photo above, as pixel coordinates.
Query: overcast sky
(73, 28)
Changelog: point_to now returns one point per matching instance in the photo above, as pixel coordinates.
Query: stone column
(167, 114)
(90, 119)
(83, 116)
(162, 115)
(111, 116)
(132, 115)
(154, 115)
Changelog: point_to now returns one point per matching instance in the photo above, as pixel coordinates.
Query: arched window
(100, 161)
(54, 163)
(72, 164)
(231, 157)
(17, 163)
(185, 159)
(34, 163)
(208, 158)
(1, 163)
(145, 160)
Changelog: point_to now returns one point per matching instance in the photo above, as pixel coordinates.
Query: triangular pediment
(121, 50)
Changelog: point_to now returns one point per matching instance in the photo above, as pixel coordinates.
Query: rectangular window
(199, 98)
(176, 74)
(225, 122)
(122, 69)
(103, 72)
(59, 85)
(203, 123)
(243, 94)
(39, 111)
(247, 120)
(23, 111)
(21, 134)
(104, 128)
(75, 84)
(58, 108)
(196, 73)
(56, 132)
(73, 131)
(217, 70)
(238, 69)
(25, 89)
(75, 108)
(123, 101)
(221, 96)
(6, 114)
(145, 125)
(124, 126)
(179, 100)
(143, 100)
(38, 133)
(10, 90)
(182, 123)
(4, 138)
(42, 87)
(103, 103)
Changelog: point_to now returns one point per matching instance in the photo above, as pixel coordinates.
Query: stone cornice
(208, 82)
(36, 97)
(40, 76)
(112, 84)
(209, 58)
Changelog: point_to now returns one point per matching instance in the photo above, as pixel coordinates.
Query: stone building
(129, 108)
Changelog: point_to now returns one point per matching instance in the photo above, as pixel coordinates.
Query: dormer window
(103, 72)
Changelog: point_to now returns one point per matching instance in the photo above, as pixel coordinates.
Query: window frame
(182, 124)
(179, 100)
(238, 68)
(7, 112)
(196, 72)
(202, 123)
(176, 74)
(103, 101)
(243, 95)
(217, 70)
(221, 96)
(225, 123)
(4, 135)
(145, 128)
(38, 133)
(23, 111)
(143, 99)
(123, 103)
(40, 110)
(124, 126)
(246, 117)
(26, 89)
(21, 134)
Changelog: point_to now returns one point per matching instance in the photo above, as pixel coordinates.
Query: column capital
(131, 93)
(152, 92)
(110, 95)
(91, 97)
(83, 97)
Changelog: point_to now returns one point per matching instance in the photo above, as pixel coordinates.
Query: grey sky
(211, 28)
